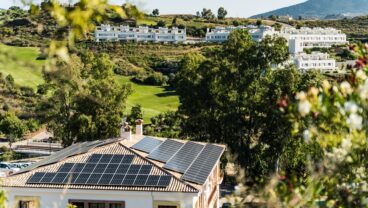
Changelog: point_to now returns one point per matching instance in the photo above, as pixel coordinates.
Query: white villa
(140, 34)
(315, 60)
(133, 171)
(221, 34)
(312, 37)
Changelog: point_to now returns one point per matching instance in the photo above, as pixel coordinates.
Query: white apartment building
(312, 37)
(315, 60)
(140, 34)
(221, 34)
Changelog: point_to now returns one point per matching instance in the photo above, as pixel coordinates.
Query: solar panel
(127, 159)
(181, 161)
(100, 168)
(88, 168)
(105, 159)
(134, 169)
(145, 169)
(122, 169)
(202, 167)
(152, 180)
(117, 159)
(117, 179)
(94, 158)
(141, 180)
(36, 178)
(164, 181)
(59, 178)
(94, 179)
(66, 168)
(82, 178)
(166, 150)
(103, 169)
(147, 144)
(47, 178)
(78, 167)
(74, 149)
(129, 180)
(105, 179)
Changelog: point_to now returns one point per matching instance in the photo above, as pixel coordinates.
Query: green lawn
(21, 63)
(153, 99)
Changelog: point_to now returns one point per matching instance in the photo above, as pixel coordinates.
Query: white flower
(355, 121)
(306, 136)
(346, 88)
(301, 96)
(361, 75)
(351, 107)
(346, 144)
(363, 90)
(304, 107)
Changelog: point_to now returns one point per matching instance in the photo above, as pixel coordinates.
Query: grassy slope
(21, 63)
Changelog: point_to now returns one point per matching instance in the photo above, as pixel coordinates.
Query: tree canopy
(86, 102)
(230, 95)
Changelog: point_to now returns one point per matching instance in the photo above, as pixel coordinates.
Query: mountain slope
(321, 8)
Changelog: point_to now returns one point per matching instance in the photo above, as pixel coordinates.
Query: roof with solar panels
(141, 164)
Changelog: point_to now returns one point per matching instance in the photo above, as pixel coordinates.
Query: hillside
(153, 99)
(356, 28)
(321, 8)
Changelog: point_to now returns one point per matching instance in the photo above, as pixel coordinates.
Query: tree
(198, 14)
(230, 95)
(272, 17)
(156, 12)
(174, 21)
(334, 118)
(12, 127)
(207, 14)
(161, 23)
(221, 13)
(87, 102)
(135, 113)
(259, 22)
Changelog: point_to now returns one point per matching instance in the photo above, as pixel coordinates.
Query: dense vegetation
(314, 143)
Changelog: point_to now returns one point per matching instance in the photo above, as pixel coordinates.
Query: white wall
(54, 198)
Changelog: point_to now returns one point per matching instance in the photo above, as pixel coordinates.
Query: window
(27, 201)
(97, 204)
(25, 204)
(115, 205)
(166, 204)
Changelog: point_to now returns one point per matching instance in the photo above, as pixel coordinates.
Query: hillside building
(221, 34)
(140, 34)
(316, 60)
(312, 38)
(134, 171)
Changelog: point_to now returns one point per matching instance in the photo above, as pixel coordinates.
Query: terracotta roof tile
(176, 184)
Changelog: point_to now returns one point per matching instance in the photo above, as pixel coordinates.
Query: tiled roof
(176, 184)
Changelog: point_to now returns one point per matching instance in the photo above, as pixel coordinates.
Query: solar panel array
(181, 161)
(147, 144)
(166, 150)
(106, 170)
(202, 167)
(74, 149)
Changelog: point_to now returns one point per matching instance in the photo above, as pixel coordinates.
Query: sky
(235, 8)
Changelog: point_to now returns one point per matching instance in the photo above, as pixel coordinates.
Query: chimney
(139, 127)
(125, 131)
